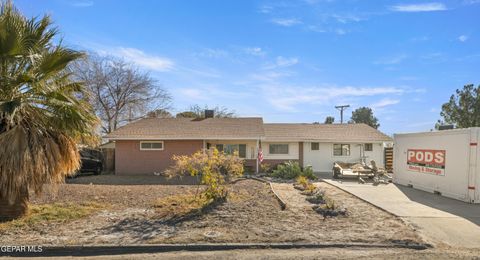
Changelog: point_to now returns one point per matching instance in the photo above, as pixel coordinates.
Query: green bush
(308, 172)
(292, 170)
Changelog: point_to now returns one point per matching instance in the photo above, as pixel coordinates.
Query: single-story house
(146, 146)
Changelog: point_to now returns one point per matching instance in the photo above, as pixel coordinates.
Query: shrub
(266, 168)
(292, 170)
(308, 172)
(303, 181)
(317, 198)
(213, 167)
(329, 208)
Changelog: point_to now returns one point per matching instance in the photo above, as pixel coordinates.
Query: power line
(342, 108)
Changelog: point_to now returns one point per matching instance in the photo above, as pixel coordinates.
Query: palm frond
(42, 110)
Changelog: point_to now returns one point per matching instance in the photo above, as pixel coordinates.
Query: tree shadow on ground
(141, 229)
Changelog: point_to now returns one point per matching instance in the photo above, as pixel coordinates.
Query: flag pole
(258, 151)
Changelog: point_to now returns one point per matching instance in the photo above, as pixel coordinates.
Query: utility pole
(342, 108)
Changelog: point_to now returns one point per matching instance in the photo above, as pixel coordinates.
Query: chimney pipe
(209, 113)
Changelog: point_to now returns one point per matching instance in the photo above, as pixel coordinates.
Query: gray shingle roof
(188, 128)
(323, 132)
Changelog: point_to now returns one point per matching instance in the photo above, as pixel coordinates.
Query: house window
(315, 146)
(151, 145)
(240, 148)
(278, 149)
(341, 150)
(368, 147)
(231, 148)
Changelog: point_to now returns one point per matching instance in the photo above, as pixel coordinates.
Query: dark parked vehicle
(92, 162)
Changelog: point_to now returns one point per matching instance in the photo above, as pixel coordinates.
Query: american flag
(260, 155)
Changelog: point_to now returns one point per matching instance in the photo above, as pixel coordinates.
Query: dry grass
(180, 205)
(56, 212)
(185, 204)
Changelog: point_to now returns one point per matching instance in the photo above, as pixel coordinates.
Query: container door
(473, 178)
(477, 170)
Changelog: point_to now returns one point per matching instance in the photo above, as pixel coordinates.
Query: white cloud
(420, 39)
(286, 62)
(471, 2)
(472, 57)
(255, 51)
(423, 7)
(340, 32)
(463, 38)
(265, 9)
(408, 78)
(286, 98)
(82, 3)
(202, 72)
(346, 18)
(315, 28)
(269, 76)
(281, 62)
(142, 59)
(391, 60)
(434, 57)
(213, 53)
(202, 93)
(286, 22)
(193, 93)
(384, 103)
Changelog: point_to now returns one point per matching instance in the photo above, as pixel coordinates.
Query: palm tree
(43, 112)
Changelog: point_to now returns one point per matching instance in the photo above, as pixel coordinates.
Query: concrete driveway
(440, 220)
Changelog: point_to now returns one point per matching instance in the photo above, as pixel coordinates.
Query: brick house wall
(130, 160)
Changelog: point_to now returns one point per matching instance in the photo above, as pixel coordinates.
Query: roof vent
(445, 127)
(209, 113)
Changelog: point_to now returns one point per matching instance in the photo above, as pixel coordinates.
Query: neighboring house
(147, 145)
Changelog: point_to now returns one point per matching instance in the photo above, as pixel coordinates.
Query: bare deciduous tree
(119, 92)
(159, 113)
(196, 111)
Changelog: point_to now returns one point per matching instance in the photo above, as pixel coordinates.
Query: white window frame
(349, 150)
(152, 149)
(311, 144)
(365, 147)
(288, 148)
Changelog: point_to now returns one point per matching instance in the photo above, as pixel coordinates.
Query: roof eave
(183, 138)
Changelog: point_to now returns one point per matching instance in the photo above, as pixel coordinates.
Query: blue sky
(288, 61)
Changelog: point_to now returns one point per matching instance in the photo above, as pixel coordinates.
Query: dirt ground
(251, 214)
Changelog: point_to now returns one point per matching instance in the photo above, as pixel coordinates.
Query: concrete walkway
(441, 221)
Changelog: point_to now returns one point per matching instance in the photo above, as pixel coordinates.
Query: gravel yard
(251, 214)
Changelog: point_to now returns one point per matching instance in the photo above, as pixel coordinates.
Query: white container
(445, 162)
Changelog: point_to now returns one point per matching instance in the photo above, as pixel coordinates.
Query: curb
(282, 203)
(161, 248)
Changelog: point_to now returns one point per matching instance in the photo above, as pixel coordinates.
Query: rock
(299, 187)
(212, 234)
